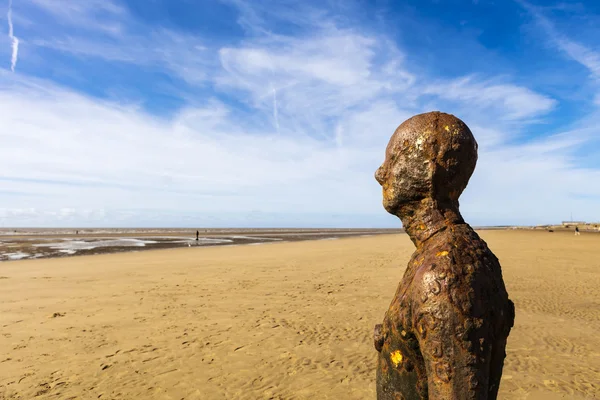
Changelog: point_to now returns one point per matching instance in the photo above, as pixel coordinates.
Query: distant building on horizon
(569, 223)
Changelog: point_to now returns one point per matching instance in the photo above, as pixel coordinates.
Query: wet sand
(24, 244)
(278, 321)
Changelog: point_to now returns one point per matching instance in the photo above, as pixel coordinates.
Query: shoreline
(49, 243)
(38, 247)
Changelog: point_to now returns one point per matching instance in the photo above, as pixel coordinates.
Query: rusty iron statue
(444, 334)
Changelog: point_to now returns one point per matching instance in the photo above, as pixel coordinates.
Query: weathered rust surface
(444, 334)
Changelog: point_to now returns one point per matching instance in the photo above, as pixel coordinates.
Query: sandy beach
(277, 321)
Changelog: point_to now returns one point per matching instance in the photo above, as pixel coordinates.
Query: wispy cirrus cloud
(584, 55)
(106, 16)
(105, 30)
(182, 55)
(319, 78)
(514, 102)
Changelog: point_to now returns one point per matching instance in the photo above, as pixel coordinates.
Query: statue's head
(430, 156)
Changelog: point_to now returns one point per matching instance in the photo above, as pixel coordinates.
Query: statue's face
(405, 173)
(429, 156)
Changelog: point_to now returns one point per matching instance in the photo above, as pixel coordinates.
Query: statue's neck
(423, 219)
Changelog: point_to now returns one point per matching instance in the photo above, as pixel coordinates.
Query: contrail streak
(15, 40)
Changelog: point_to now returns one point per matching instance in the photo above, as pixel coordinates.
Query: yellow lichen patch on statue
(387, 193)
(396, 358)
(447, 128)
(442, 254)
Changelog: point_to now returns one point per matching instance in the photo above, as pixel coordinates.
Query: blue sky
(277, 113)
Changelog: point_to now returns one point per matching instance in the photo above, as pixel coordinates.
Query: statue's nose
(379, 176)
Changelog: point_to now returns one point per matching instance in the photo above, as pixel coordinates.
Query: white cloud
(539, 182)
(114, 156)
(338, 60)
(510, 101)
(74, 152)
(583, 55)
(320, 79)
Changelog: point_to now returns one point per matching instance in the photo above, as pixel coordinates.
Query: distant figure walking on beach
(444, 334)
(577, 233)
(197, 235)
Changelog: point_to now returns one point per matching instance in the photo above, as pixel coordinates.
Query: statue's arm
(452, 358)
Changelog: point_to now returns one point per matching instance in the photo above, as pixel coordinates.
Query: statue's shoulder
(438, 265)
(448, 258)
